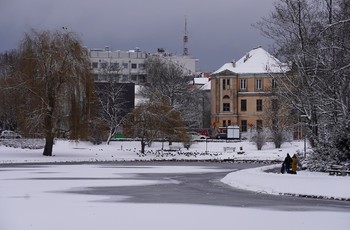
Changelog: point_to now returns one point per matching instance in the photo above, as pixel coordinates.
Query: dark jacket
(288, 161)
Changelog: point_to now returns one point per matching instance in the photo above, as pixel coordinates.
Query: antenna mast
(185, 53)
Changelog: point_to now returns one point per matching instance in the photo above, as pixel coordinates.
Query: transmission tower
(185, 53)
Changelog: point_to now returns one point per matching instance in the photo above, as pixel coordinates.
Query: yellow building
(240, 89)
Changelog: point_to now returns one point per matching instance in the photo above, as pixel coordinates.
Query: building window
(274, 125)
(225, 84)
(94, 65)
(226, 107)
(125, 65)
(274, 84)
(243, 105)
(142, 66)
(259, 124)
(133, 65)
(113, 76)
(258, 105)
(104, 65)
(224, 123)
(229, 123)
(274, 104)
(244, 125)
(114, 66)
(243, 84)
(103, 77)
(142, 78)
(125, 78)
(95, 77)
(258, 84)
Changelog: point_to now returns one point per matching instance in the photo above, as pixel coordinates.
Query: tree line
(48, 91)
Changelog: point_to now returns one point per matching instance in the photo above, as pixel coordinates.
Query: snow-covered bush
(24, 143)
(259, 139)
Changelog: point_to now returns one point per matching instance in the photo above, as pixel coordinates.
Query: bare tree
(113, 104)
(155, 120)
(53, 79)
(259, 139)
(166, 81)
(290, 25)
(313, 36)
(278, 118)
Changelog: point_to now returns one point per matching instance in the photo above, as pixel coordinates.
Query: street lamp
(304, 124)
(206, 145)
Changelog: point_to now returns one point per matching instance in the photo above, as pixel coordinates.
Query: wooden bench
(174, 148)
(229, 149)
(338, 170)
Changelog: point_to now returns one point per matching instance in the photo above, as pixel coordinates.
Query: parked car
(9, 134)
(196, 136)
(221, 136)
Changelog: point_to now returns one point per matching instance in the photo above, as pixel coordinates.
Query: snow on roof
(137, 89)
(207, 86)
(200, 80)
(255, 61)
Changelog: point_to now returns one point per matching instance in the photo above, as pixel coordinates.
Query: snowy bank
(305, 184)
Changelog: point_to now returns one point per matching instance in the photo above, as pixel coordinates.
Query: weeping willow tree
(52, 84)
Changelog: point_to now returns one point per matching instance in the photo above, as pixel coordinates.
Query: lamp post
(304, 145)
(304, 134)
(206, 145)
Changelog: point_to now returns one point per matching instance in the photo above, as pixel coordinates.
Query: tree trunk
(48, 146)
(49, 135)
(111, 134)
(109, 138)
(48, 129)
(143, 145)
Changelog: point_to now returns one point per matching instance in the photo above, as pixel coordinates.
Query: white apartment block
(128, 66)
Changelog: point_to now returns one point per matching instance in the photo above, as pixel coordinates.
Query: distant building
(128, 66)
(238, 90)
(206, 108)
(121, 66)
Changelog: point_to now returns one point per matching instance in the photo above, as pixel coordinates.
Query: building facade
(129, 66)
(240, 90)
(121, 66)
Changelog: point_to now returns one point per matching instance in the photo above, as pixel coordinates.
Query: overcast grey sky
(218, 30)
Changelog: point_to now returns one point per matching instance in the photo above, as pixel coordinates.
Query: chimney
(247, 56)
(233, 63)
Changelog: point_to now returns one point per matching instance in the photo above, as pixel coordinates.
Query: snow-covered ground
(129, 150)
(30, 200)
